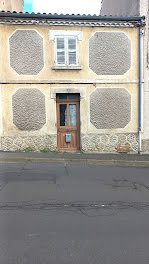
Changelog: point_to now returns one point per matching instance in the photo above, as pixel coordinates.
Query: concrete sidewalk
(134, 160)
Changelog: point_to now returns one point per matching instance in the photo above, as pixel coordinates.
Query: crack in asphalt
(125, 183)
(96, 205)
(2, 185)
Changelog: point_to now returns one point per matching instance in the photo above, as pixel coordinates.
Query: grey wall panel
(26, 52)
(110, 108)
(109, 53)
(28, 106)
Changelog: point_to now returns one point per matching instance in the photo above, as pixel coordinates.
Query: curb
(85, 161)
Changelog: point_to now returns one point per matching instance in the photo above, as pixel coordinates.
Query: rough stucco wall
(110, 108)
(28, 106)
(109, 53)
(26, 52)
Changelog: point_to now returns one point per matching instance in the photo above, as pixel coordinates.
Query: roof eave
(68, 17)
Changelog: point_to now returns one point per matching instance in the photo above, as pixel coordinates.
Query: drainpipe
(140, 89)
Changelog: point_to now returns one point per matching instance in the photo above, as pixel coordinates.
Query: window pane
(72, 44)
(63, 115)
(60, 51)
(60, 43)
(72, 115)
(61, 57)
(72, 57)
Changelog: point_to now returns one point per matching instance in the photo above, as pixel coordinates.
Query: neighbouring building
(120, 7)
(12, 5)
(69, 82)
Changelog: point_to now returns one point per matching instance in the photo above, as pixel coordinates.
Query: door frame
(70, 128)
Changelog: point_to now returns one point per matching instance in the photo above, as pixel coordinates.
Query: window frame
(66, 51)
(66, 35)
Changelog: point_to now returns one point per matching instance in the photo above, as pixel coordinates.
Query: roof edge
(68, 16)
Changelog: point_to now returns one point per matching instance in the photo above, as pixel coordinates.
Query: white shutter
(72, 51)
(60, 51)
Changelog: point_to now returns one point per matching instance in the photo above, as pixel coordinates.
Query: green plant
(56, 151)
(45, 150)
(19, 150)
(80, 152)
(28, 149)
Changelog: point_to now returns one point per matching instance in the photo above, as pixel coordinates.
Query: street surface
(59, 213)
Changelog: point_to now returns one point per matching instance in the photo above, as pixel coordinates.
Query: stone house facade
(69, 82)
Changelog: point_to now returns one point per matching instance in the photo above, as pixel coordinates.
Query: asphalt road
(73, 214)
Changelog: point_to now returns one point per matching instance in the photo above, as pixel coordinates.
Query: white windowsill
(64, 67)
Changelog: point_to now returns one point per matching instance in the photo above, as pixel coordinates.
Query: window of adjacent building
(66, 50)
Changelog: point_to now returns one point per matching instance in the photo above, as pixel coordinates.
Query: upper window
(66, 51)
(66, 47)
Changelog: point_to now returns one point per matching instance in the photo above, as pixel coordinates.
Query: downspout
(140, 89)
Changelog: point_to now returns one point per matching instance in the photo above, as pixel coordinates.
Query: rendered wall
(92, 138)
(47, 73)
(28, 116)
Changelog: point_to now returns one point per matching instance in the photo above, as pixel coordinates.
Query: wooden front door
(68, 122)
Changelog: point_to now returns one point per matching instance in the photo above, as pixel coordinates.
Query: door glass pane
(72, 114)
(63, 115)
(63, 96)
(72, 96)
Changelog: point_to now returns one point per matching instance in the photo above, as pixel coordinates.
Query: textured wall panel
(107, 143)
(36, 143)
(109, 53)
(26, 52)
(110, 108)
(28, 105)
(89, 143)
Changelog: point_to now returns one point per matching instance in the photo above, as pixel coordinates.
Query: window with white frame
(66, 47)
(66, 51)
